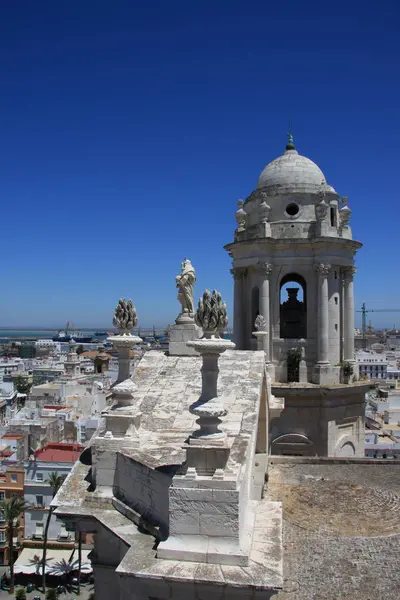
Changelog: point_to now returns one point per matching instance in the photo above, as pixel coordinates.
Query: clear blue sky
(130, 129)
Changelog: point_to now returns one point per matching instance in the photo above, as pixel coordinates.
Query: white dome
(292, 172)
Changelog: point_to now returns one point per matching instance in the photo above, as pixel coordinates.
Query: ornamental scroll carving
(323, 269)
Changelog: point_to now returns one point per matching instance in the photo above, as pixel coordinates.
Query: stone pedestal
(124, 343)
(122, 419)
(325, 374)
(184, 330)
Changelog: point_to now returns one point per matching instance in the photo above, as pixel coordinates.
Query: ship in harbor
(70, 333)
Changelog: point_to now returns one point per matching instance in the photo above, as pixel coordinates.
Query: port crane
(364, 311)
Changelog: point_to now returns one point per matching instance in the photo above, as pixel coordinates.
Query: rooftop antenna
(290, 145)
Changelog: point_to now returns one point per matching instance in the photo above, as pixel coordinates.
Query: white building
(372, 365)
(53, 458)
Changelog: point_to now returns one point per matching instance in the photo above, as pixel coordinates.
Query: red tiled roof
(12, 436)
(59, 452)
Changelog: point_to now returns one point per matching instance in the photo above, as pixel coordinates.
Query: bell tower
(293, 264)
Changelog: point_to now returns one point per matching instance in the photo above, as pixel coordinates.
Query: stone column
(124, 343)
(265, 270)
(238, 308)
(348, 310)
(323, 313)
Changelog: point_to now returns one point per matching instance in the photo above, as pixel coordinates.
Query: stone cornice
(317, 244)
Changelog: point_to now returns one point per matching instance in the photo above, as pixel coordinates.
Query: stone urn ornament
(125, 319)
(211, 317)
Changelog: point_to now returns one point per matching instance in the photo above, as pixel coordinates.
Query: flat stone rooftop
(168, 385)
(166, 388)
(341, 528)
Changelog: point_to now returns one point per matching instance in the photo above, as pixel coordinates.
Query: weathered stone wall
(144, 490)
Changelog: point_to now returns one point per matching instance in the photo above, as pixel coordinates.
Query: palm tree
(11, 510)
(55, 481)
(65, 570)
(36, 561)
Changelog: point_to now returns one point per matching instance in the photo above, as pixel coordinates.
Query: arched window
(293, 307)
(255, 305)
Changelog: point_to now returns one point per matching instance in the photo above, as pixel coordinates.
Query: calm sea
(36, 333)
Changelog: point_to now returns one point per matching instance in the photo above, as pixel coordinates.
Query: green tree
(51, 594)
(11, 510)
(20, 594)
(55, 481)
(80, 349)
(36, 562)
(64, 570)
(22, 385)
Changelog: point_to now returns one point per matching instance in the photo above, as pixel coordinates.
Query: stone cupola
(293, 262)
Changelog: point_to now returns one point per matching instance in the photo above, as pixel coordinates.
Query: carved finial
(290, 145)
(211, 313)
(240, 216)
(125, 317)
(344, 216)
(265, 208)
(260, 323)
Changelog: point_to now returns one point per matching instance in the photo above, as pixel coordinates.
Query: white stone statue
(185, 284)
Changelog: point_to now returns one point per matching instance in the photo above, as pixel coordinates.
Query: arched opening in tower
(255, 305)
(293, 307)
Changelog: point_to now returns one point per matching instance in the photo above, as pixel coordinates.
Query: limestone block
(184, 522)
(181, 333)
(219, 525)
(326, 374)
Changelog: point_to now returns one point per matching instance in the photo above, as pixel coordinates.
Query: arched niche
(293, 306)
(255, 305)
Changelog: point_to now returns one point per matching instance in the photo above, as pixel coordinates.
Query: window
(14, 478)
(63, 532)
(293, 307)
(2, 536)
(39, 501)
(38, 530)
(292, 209)
(2, 496)
(39, 476)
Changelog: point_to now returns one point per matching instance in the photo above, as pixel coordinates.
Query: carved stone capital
(238, 272)
(264, 268)
(349, 272)
(323, 269)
